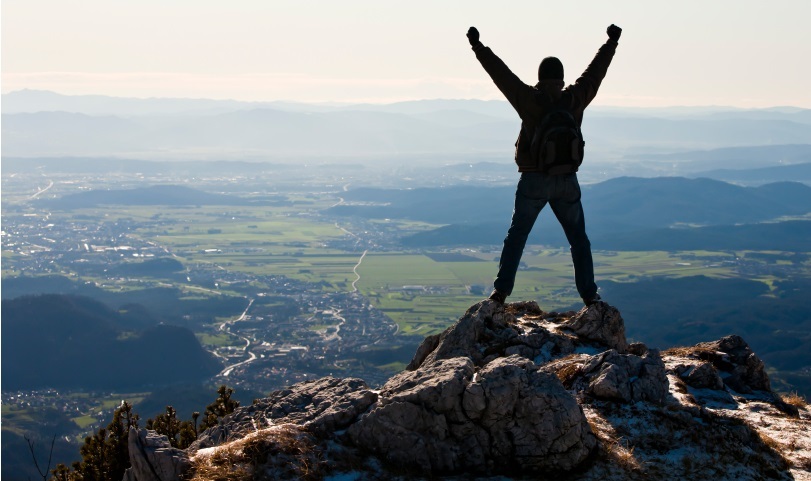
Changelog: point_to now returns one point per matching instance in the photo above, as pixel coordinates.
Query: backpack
(557, 143)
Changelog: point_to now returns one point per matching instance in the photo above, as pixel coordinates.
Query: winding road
(355, 270)
(251, 356)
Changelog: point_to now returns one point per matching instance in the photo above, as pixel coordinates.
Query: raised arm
(585, 88)
(517, 92)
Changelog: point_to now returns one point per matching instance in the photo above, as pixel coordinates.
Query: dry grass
(770, 442)
(613, 448)
(567, 369)
(794, 399)
(623, 455)
(568, 373)
(692, 351)
(220, 466)
(277, 452)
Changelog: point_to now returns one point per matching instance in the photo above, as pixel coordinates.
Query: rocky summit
(513, 392)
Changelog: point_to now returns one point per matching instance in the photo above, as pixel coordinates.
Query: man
(536, 188)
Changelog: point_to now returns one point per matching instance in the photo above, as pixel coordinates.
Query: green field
(422, 292)
(424, 296)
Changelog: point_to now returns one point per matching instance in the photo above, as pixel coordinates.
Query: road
(42, 191)
(251, 356)
(355, 270)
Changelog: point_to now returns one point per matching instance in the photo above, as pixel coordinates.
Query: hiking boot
(593, 300)
(498, 296)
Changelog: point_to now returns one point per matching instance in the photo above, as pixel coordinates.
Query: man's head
(550, 69)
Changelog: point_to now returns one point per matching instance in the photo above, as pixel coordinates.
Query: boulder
(508, 416)
(600, 323)
(703, 376)
(153, 458)
(473, 400)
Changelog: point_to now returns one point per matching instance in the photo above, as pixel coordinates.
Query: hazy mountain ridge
(167, 304)
(204, 128)
(63, 341)
(620, 204)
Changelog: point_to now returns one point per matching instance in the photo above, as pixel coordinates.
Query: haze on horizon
(746, 54)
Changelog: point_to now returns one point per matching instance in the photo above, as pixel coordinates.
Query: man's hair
(550, 69)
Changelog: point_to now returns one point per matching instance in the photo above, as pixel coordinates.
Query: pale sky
(742, 53)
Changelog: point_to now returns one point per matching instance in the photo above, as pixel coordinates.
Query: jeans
(562, 192)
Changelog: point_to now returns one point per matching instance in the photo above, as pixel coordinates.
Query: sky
(740, 53)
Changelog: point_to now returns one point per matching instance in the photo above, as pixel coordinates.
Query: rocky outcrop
(321, 406)
(508, 389)
(742, 370)
(152, 458)
(475, 398)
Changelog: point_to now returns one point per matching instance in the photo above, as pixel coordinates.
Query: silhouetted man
(537, 187)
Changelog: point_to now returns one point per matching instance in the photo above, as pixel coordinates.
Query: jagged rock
(472, 399)
(703, 376)
(532, 420)
(741, 369)
(153, 458)
(464, 337)
(426, 347)
(612, 382)
(489, 331)
(614, 376)
(320, 406)
(441, 419)
(602, 323)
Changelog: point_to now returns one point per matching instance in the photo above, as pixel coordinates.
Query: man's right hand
(614, 32)
(473, 36)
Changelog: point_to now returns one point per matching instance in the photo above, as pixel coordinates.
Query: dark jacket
(532, 103)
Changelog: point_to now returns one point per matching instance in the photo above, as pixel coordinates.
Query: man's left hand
(614, 32)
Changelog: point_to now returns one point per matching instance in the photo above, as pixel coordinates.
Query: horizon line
(379, 101)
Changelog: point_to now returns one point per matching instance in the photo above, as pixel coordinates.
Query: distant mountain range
(47, 124)
(63, 341)
(628, 205)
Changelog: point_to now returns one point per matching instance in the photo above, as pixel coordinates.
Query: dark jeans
(562, 192)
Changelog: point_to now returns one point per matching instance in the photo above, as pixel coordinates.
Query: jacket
(531, 104)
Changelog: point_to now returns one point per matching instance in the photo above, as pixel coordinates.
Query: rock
(703, 376)
(533, 422)
(426, 347)
(472, 399)
(321, 406)
(612, 382)
(614, 376)
(489, 331)
(742, 370)
(462, 339)
(443, 419)
(637, 349)
(152, 458)
(437, 386)
(601, 323)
